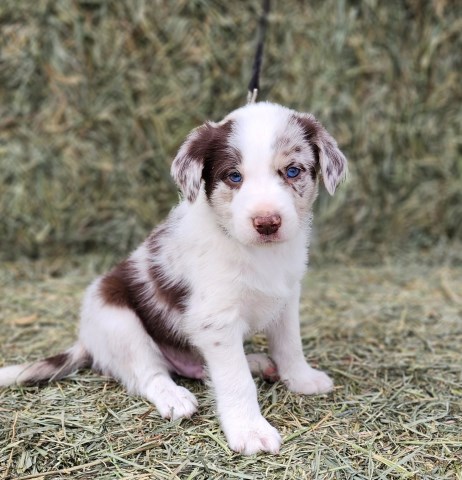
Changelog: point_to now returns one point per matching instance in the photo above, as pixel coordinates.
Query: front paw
(308, 381)
(249, 437)
(172, 401)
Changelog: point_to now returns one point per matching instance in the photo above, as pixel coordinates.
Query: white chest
(258, 310)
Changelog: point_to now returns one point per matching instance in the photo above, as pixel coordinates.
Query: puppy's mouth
(263, 239)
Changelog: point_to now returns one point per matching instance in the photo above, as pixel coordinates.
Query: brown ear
(203, 146)
(187, 166)
(332, 161)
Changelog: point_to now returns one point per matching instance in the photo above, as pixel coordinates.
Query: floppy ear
(331, 160)
(188, 164)
(202, 148)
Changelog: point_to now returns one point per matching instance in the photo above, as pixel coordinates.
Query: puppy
(227, 262)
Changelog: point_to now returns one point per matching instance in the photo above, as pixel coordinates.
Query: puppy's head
(258, 170)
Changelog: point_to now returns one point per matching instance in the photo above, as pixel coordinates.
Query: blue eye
(293, 172)
(235, 177)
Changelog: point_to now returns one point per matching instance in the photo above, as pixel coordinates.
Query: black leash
(254, 85)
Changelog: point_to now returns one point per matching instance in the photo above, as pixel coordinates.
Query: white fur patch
(9, 375)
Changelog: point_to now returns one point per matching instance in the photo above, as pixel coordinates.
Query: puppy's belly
(186, 362)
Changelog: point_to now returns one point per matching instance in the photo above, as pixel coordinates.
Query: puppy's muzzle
(267, 225)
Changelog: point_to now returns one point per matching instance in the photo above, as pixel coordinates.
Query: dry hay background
(96, 96)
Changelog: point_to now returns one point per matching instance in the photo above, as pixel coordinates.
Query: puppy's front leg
(285, 348)
(245, 428)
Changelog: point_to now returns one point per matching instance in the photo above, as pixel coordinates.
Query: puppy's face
(258, 170)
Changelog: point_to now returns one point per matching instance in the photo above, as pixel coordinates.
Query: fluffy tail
(51, 368)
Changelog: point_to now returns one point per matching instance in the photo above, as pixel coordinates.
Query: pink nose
(267, 225)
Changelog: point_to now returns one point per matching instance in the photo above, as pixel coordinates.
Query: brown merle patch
(58, 361)
(172, 294)
(158, 304)
(297, 184)
(54, 368)
(220, 159)
(318, 138)
(114, 287)
(310, 127)
(312, 170)
(205, 156)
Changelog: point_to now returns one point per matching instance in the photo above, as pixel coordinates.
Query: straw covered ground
(390, 336)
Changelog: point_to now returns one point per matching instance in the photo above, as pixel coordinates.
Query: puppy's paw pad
(261, 365)
(252, 438)
(312, 382)
(175, 402)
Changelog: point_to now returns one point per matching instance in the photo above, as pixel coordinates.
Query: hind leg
(261, 365)
(121, 348)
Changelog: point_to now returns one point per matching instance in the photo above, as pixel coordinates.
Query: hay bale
(96, 96)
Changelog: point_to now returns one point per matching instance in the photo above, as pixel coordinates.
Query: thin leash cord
(254, 84)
